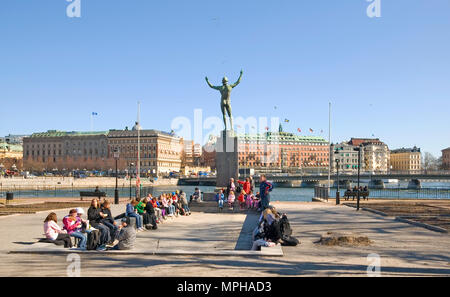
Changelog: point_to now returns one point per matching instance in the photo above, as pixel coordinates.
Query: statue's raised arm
(238, 81)
(210, 85)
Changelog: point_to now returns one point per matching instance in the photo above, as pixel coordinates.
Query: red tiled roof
(358, 141)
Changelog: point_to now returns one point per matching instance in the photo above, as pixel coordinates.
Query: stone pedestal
(227, 165)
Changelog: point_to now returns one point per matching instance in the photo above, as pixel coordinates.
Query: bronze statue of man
(225, 102)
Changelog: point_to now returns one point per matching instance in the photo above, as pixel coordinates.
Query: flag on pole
(94, 113)
(311, 130)
(299, 130)
(286, 120)
(267, 128)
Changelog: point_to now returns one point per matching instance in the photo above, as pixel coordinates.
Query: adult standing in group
(246, 185)
(264, 191)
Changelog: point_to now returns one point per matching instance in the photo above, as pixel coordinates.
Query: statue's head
(224, 80)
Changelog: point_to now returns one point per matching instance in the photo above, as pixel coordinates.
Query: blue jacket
(129, 209)
(220, 197)
(263, 187)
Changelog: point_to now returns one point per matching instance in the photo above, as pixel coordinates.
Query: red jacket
(245, 186)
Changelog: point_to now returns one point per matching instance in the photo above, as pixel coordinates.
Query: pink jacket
(71, 226)
(51, 230)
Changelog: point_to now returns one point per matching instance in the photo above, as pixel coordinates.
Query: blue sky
(387, 76)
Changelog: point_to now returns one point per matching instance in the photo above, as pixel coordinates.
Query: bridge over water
(376, 180)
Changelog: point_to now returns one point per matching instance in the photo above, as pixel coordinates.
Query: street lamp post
(358, 149)
(131, 165)
(116, 191)
(338, 194)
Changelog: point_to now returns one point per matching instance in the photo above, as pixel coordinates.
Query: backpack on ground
(286, 233)
(288, 240)
(285, 227)
(93, 240)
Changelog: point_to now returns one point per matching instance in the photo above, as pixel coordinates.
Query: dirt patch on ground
(435, 213)
(343, 239)
(35, 207)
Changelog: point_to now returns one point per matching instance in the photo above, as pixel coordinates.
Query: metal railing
(401, 193)
(64, 191)
(321, 192)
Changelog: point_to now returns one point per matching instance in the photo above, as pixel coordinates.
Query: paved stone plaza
(208, 244)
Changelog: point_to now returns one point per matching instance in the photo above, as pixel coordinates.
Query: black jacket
(149, 208)
(94, 216)
(109, 218)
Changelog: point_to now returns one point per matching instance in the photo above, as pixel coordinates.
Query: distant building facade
(10, 156)
(208, 157)
(406, 159)
(192, 152)
(376, 155)
(59, 150)
(160, 152)
(348, 158)
(276, 151)
(446, 158)
(14, 139)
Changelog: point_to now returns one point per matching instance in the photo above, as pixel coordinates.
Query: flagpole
(92, 122)
(329, 145)
(138, 167)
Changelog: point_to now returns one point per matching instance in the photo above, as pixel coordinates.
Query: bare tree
(439, 164)
(429, 162)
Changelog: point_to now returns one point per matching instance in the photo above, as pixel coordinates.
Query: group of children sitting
(147, 212)
(241, 195)
(244, 200)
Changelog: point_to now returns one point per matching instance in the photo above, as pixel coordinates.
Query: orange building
(277, 151)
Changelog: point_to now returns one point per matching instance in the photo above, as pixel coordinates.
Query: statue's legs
(223, 114)
(228, 108)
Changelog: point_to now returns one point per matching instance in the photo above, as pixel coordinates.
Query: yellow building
(408, 160)
(160, 152)
(10, 156)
